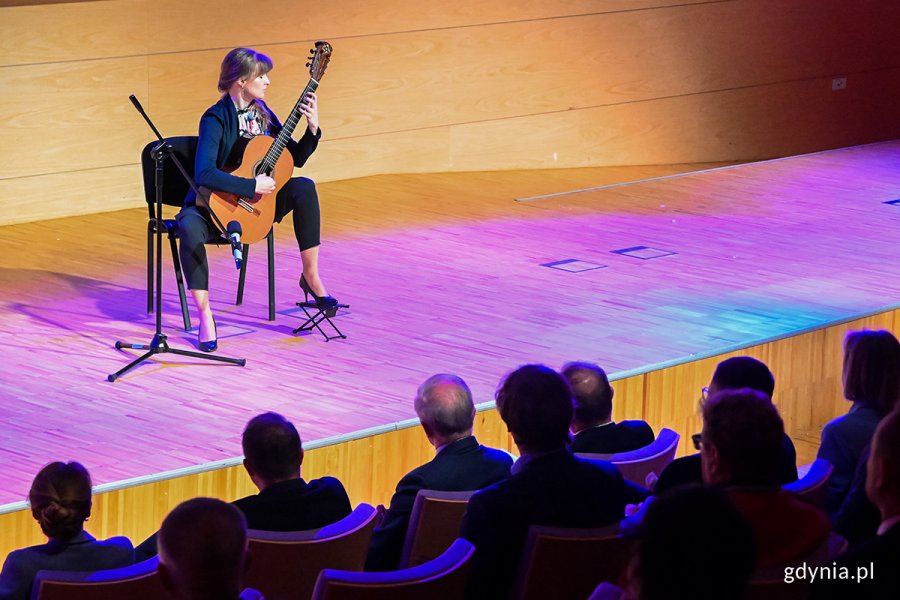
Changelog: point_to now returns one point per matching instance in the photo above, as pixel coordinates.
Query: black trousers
(298, 196)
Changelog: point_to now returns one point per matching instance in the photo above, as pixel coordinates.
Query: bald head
(445, 408)
(202, 550)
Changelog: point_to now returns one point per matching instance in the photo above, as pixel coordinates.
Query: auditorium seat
(284, 565)
(137, 582)
(770, 583)
(812, 485)
(559, 562)
(444, 578)
(637, 465)
(433, 525)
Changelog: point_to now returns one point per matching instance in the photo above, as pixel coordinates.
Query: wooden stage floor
(443, 272)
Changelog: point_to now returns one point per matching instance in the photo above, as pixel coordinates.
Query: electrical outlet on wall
(838, 83)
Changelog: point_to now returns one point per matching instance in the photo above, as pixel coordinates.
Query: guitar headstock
(318, 59)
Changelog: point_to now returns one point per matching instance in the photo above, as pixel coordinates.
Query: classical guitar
(264, 155)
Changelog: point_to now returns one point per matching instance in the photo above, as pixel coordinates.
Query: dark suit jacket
(880, 556)
(613, 437)
(687, 469)
(555, 489)
(296, 505)
(81, 553)
(461, 466)
(292, 505)
(218, 135)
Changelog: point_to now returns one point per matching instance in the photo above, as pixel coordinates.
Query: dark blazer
(687, 469)
(292, 505)
(218, 135)
(296, 505)
(880, 557)
(81, 553)
(555, 489)
(613, 437)
(461, 466)
(844, 440)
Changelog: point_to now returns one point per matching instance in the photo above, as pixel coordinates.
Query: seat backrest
(636, 465)
(137, 582)
(433, 525)
(175, 186)
(284, 565)
(560, 562)
(811, 486)
(444, 578)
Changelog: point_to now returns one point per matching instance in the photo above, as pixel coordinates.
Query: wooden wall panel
(808, 393)
(471, 85)
(86, 122)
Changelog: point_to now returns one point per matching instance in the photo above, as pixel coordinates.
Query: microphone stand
(159, 343)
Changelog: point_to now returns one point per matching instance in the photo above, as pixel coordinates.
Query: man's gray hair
(444, 402)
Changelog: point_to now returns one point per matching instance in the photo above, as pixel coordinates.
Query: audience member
(694, 545)
(740, 451)
(203, 550)
(858, 518)
(273, 454)
(592, 426)
(733, 373)
(871, 378)
(549, 486)
(879, 557)
(60, 500)
(446, 411)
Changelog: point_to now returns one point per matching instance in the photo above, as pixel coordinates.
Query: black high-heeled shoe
(213, 344)
(321, 301)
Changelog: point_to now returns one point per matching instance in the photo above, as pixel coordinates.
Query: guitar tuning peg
(307, 64)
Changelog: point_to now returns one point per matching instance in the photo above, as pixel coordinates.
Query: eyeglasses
(697, 439)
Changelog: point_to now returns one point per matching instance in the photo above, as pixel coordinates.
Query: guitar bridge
(246, 206)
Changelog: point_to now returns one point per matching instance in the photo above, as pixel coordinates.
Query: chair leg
(243, 275)
(270, 244)
(176, 262)
(150, 256)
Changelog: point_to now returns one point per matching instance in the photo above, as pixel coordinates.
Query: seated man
(447, 413)
(731, 374)
(592, 426)
(273, 454)
(740, 451)
(873, 562)
(203, 550)
(549, 486)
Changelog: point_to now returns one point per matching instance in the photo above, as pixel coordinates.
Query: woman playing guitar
(241, 113)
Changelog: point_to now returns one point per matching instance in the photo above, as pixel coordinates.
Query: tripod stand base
(159, 345)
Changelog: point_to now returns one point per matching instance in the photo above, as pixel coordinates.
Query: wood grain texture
(462, 86)
(370, 467)
(443, 272)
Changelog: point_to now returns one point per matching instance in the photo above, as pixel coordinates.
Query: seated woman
(60, 499)
(871, 379)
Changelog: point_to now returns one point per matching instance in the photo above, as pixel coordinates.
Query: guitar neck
(287, 130)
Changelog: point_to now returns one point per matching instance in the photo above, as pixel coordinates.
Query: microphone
(233, 231)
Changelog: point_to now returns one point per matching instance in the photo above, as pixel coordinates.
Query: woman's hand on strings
(310, 109)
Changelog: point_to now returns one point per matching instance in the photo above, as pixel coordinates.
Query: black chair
(175, 190)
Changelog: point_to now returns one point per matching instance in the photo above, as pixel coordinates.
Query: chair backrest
(284, 565)
(811, 486)
(175, 186)
(772, 583)
(560, 562)
(637, 465)
(137, 582)
(444, 578)
(433, 525)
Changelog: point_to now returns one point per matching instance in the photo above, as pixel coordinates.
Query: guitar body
(255, 216)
